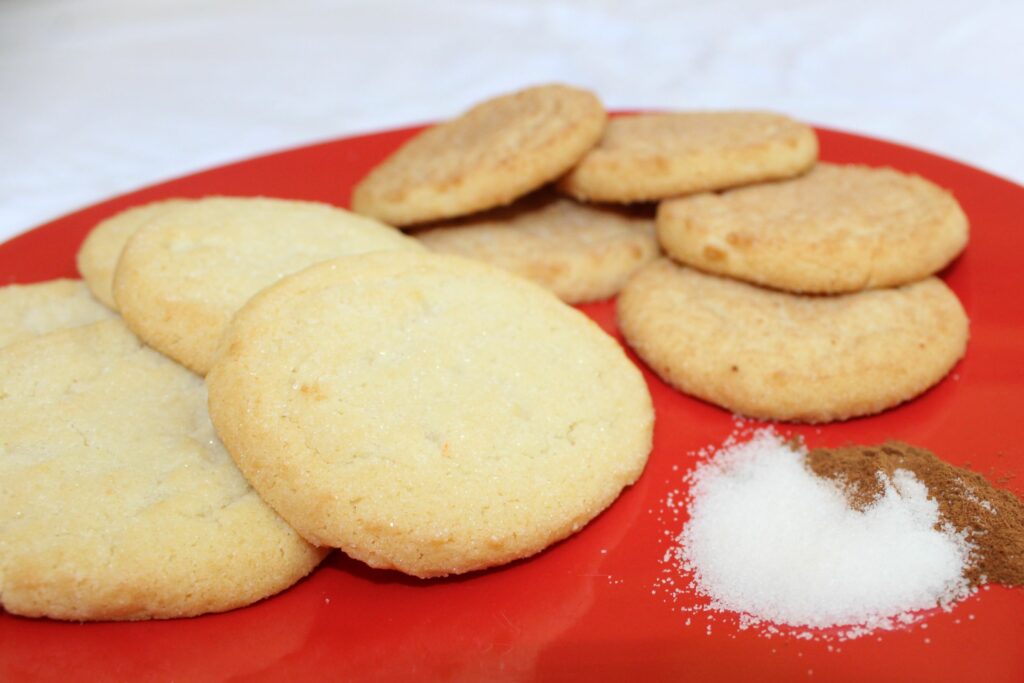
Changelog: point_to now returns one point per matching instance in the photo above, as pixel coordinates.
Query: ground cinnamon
(993, 518)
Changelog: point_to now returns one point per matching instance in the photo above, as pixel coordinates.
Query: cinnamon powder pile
(992, 518)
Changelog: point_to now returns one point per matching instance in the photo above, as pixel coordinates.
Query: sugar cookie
(28, 311)
(183, 275)
(97, 257)
(117, 500)
(428, 413)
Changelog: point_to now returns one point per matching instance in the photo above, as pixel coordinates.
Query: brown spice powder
(992, 518)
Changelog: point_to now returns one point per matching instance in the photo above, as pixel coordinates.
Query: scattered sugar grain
(769, 540)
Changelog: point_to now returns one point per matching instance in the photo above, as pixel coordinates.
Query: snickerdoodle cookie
(780, 356)
(654, 156)
(581, 252)
(497, 151)
(836, 229)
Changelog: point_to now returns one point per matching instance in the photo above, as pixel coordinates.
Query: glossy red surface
(585, 608)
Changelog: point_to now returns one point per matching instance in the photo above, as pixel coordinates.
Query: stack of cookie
(117, 498)
(412, 409)
(811, 299)
(478, 186)
(793, 290)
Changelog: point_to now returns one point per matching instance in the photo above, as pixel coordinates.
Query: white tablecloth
(98, 97)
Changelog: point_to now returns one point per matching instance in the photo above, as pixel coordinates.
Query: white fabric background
(98, 97)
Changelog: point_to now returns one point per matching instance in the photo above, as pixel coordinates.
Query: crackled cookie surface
(117, 500)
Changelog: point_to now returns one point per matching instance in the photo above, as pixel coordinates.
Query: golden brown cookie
(428, 413)
(117, 500)
(184, 274)
(97, 257)
(780, 356)
(499, 150)
(581, 252)
(28, 311)
(835, 229)
(654, 156)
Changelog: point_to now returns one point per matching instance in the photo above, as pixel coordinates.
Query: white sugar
(768, 539)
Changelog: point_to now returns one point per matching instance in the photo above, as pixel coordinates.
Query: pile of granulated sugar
(769, 540)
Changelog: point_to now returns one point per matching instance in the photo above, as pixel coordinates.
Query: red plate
(586, 608)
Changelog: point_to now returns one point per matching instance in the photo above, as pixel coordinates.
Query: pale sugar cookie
(183, 275)
(581, 252)
(835, 229)
(780, 356)
(117, 500)
(28, 311)
(428, 413)
(653, 156)
(497, 151)
(97, 257)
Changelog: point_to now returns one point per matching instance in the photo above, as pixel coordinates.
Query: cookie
(428, 413)
(117, 501)
(28, 311)
(780, 356)
(496, 152)
(97, 257)
(654, 156)
(836, 229)
(183, 275)
(581, 252)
